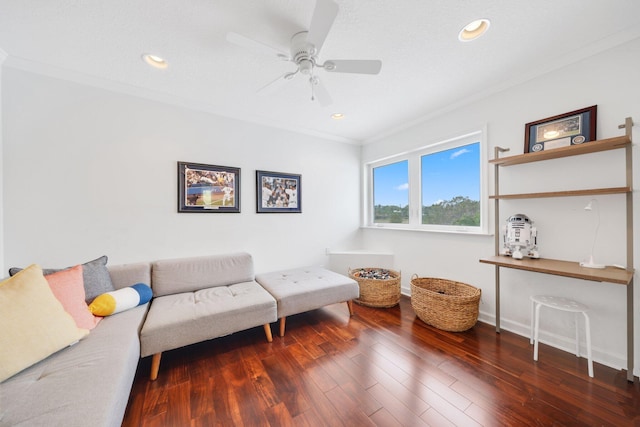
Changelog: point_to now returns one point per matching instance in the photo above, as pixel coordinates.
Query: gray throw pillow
(95, 275)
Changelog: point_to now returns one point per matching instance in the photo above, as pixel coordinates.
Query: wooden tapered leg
(267, 331)
(350, 305)
(155, 366)
(283, 321)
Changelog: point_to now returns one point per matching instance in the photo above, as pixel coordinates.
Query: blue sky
(446, 174)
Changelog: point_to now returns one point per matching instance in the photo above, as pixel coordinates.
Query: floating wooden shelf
(587, 192)
(563, 268)
(572, 150)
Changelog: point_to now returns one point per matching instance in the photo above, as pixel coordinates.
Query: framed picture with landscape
(208, 188)
(278, 192)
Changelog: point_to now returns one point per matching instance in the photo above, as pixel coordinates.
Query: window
(391, 193)
(439, 187)
(450, 182)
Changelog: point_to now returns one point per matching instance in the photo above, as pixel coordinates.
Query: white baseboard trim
(612, 360)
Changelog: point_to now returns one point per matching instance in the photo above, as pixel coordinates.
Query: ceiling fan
(304, 52)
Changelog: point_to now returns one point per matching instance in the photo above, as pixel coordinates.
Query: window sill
(461, 230)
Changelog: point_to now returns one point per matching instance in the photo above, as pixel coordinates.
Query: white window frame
(415, 183)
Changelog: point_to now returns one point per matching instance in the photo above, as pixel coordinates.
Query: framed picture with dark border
(208, 188)
(278, 192)
(564, 130)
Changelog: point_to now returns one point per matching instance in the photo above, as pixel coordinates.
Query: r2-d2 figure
(520, 237)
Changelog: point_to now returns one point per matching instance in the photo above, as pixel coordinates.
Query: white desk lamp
(590, 263)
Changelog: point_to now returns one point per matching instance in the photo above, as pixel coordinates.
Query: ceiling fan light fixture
(474, 30)
(337, 116)
(155, 61)
(306, 66)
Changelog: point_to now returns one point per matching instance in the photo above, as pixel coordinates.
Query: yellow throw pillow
(33, 323)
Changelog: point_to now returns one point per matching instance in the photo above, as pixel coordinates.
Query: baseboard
(560, 342)
(612, 360)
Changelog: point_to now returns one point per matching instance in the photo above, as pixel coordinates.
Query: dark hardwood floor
(380, 367)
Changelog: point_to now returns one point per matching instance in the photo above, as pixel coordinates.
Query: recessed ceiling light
(337, 116)
(155, 61)
(474, 30)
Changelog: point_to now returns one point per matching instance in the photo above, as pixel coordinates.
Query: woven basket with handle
(445, 304)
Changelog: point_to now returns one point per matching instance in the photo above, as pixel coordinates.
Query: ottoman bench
(304, 289)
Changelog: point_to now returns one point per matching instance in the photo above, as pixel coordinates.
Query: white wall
(3, 56)
(609, 80)
(89, 172)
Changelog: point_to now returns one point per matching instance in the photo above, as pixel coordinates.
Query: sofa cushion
(67, 286)
(94, 273)
(174, 276)
(33, 323)
(120, 300)
(181, 319)
(124, 275)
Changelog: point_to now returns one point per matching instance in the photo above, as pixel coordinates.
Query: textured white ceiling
(425, 68)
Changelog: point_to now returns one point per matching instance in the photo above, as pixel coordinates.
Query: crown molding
(48, 70)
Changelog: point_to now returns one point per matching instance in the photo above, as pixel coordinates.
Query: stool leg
(532, 320)
(577, 316)
(536, 332)
(587, 328)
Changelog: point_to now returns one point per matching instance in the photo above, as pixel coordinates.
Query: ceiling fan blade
(324, 14)
(275, 85)
(359, 66)
(244, 41)
(319, 92)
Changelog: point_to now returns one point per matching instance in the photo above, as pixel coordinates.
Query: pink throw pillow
(68, 288)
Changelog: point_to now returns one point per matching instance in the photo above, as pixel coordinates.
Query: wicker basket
(445, 304)
(381, 293)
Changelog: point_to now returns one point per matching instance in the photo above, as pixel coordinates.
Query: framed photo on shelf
(278, 192)
(573, 128)
(208, 188)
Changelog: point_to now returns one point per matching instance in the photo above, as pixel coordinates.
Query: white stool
(563, 304)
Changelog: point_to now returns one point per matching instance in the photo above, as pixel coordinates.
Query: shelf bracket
(624, 125)
(497, 150)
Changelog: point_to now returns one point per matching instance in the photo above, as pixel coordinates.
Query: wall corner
(3, 57)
